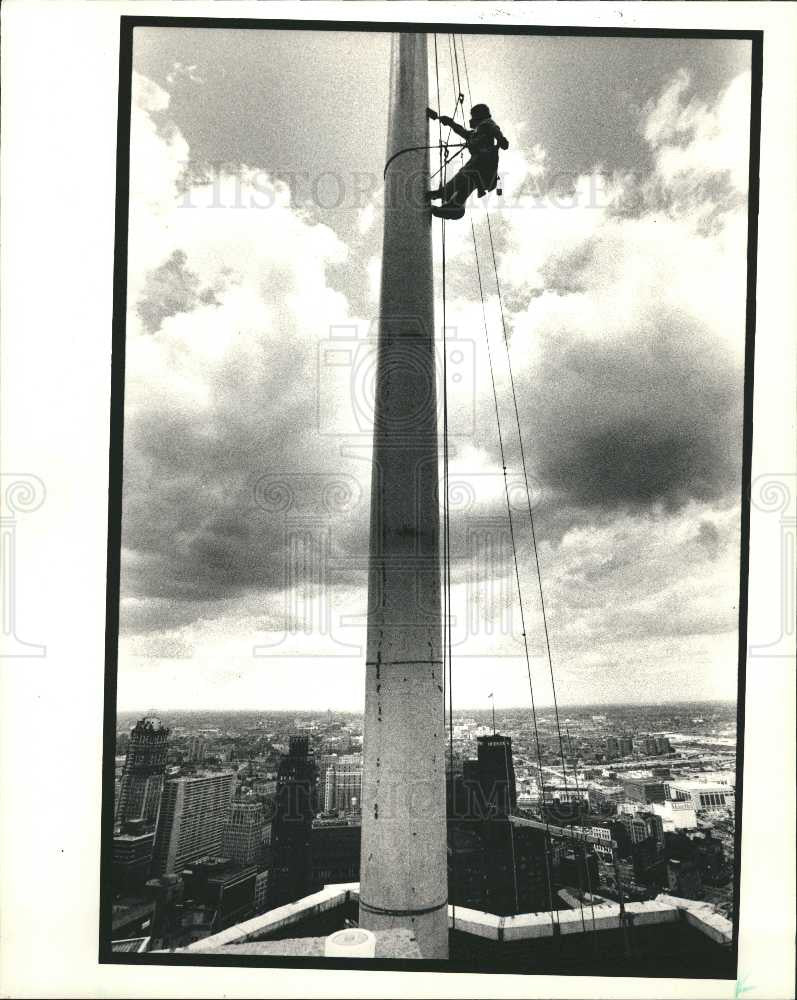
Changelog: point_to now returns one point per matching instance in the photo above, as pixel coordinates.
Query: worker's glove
(431, 114)
(445, 120)
(503, 143)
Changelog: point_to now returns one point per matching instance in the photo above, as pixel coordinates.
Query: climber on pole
(483, 140)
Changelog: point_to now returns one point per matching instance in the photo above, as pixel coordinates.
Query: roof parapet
(524, 926)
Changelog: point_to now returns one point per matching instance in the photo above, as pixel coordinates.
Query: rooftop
(150, 722)
(697, 785)
(662, 934)
(136, 945)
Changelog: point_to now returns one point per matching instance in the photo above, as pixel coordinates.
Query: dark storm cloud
(635, 321)
(652, 421)
(644, 422)
(217, 505)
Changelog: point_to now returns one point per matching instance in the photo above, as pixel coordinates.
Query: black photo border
(128, 23)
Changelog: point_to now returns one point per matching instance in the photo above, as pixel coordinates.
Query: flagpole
(403, 866)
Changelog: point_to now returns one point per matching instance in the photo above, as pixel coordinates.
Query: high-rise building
(197, 747)
(626, 745)
(640, 836)
(493, 865)
(132, 855)
(223, 886)
(612, 747)
(261, 891)
(336, 850)
(649, 854)
(576, 868)
(642, 825)
(294, 810)
(142, 776)
(647, 744)
(343, 785)
(193, 814)
(243, 833)
(325, 762)
(644, 790)
(166, 893)
(494, 774)
(663, 745)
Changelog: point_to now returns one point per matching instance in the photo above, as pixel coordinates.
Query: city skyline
(250, 820)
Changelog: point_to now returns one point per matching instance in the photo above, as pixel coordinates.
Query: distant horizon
(150, 710)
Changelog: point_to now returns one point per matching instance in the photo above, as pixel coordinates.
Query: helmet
(479, 112)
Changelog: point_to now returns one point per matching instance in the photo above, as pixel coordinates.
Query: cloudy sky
(254, 244)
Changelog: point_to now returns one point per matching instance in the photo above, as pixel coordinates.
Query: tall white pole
(403, 869)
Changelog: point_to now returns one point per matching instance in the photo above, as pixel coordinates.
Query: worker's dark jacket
(483, 144)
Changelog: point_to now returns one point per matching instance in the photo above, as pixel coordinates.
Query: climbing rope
(530, 513)
(515, 559)
(512, 535)
(461, 147)
(531, 518)
(533, 531)
(447, 643)
(584, 850)
(465, 65)
(412, 149)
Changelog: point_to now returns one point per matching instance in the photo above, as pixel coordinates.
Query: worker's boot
(450, 210)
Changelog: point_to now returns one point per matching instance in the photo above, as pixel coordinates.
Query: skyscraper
(197, 747)
(142, 776)
(663, 745)
(343, 785)
(335, 850)
(494, 775)
(493, 865)
(325, 762)
(193, 815)
(647, 744)
(295, 807)
(132, 855)
(243, 833)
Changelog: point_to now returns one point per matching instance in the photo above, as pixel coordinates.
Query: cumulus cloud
(627, 332)
(626, 317)
(693, 140)
(227, 308)
(624, 303)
